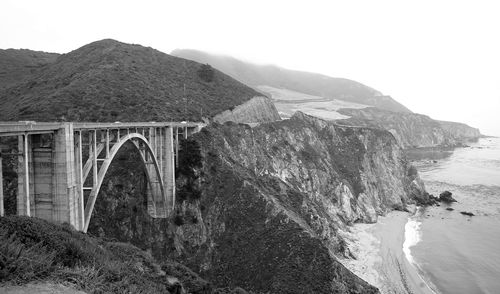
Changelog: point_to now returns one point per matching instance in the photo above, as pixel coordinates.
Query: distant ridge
(112, 81)
(304, 82)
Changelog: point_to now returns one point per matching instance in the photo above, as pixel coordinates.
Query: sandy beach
(380, 259)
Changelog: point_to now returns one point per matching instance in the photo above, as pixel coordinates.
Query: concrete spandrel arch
(89, 207)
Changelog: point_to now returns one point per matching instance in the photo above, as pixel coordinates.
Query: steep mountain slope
(17, 65)
(112, 81)
(305, 82)
(412, 130)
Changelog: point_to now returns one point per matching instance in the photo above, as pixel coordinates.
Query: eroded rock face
(273, 199)
(412, 130)
(256, 110)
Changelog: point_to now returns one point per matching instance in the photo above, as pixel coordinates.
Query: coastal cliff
(265, 205)
(256, 110)
(460, 130)
(412, 130)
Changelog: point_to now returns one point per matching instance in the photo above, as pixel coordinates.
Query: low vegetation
(35, 250)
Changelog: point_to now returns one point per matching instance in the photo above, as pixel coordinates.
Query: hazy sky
(440, 58)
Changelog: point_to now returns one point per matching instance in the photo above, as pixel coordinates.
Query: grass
(35, 250)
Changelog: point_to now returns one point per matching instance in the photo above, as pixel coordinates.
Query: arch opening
(156, 192)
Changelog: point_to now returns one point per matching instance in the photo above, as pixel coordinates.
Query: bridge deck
(15, 128)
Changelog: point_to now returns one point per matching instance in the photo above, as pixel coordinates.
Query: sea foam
(412, 237)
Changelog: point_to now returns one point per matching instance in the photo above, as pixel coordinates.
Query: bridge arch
(147, 157)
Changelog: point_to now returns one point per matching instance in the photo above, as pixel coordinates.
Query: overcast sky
(440, 58)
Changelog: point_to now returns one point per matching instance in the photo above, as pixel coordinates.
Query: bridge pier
(169, 167)
(2, 209)
(46, 177)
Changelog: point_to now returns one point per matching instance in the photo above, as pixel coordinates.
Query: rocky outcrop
(446, 197)
(411, 130)
(255, 110)
(267, 204)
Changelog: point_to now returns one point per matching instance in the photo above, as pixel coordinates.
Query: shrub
(178, 220)
(20, 263)
(206, 73)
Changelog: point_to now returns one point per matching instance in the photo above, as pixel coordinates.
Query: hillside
(17, 65)
(112, 81)
(305, 82)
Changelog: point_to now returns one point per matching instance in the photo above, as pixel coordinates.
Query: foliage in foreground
(35, 250)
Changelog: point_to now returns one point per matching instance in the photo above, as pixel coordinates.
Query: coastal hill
(308, 83)
(17, 65)
(112, 81)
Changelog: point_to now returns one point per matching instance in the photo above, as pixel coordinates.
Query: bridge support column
(168, 172)
(66, 200)
(2, 211)
(157, 206)
(24, 190)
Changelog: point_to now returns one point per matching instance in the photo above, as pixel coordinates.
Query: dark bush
(206, 73)
(178, 220)
(189, 158)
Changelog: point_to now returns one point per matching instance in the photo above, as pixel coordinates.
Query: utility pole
(184, 92)
(185, 103)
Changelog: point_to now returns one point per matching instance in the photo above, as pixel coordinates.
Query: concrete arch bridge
(61, 166)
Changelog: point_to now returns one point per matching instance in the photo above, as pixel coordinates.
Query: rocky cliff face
(412, 130)
(460, 130)
(255, 110)
(267, 204)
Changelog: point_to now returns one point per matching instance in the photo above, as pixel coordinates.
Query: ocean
(456, 253)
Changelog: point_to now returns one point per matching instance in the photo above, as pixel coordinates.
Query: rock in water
(446, 197)
(467, 213)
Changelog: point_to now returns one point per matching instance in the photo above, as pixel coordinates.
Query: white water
(412, 237)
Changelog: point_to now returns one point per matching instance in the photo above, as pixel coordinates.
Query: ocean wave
(412, 237)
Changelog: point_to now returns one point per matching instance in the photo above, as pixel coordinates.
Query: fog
(438, 58)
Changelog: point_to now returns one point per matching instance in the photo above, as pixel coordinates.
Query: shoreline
(380, 259)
